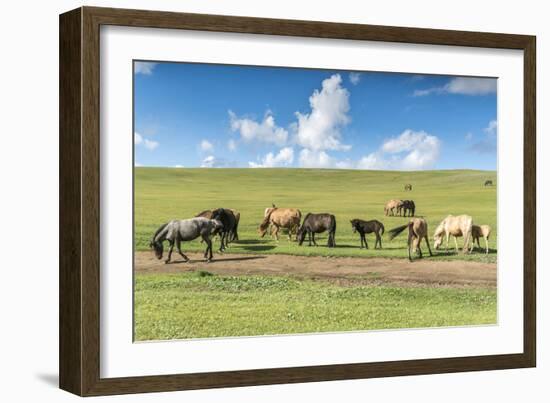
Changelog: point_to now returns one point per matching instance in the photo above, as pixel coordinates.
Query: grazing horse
(481, 231)
(315, 224)
(392, 207)
(177, 231)
(488, 182)
(368, 227)
(234, 234)
(281, 218)
(408, 187)
(407, 206)
(418, 229)
(456, 226)
(229, 223)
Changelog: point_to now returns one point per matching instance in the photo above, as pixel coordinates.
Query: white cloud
(409, 151)
(145, 68)
(464, 86)
(216, 162)
(232, 145)
(142, 141)
(316, 159)
(354, 78)
(320, 129)
(178, 166)
(206, 146)
(137, 164)
(265, 131)
(285, 157)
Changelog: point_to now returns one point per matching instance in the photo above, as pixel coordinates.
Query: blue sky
(203, 115)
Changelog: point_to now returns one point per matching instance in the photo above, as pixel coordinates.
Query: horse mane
(158, 231)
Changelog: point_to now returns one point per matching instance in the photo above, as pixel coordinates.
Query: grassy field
(197, 305)
(162, 194)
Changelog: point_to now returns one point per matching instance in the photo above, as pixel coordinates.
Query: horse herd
(224, 223)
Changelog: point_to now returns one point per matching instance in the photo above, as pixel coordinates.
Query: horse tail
(396, 231)
(158, 231)
(382, 229)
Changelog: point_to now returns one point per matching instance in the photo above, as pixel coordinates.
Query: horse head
(157, 247)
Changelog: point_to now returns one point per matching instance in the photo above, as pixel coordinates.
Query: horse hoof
(166, 261)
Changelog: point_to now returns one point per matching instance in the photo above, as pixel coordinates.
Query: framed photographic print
(249, 201)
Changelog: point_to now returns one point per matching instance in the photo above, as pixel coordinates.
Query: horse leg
(417, 242)
(447, 242)
(456, 244)
(170, 250)
(366, 244)
(379, 240)
(409, 240)
(208, 251)
(178, 244)
(276, 232)
(313, 237)
(486, 246)
(428, 243)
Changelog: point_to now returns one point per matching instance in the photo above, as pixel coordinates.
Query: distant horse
(281, 218)
(418, 229)
(408, 187)
(229, 223)
(456, 226)
(488, 183)
(368, 227)
(177, 231)
(481, 231)
(392, 207)
(315, 224)
(407, 207)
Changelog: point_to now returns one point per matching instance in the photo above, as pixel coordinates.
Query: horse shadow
(251, 241)
(236, 259)
(258, 248)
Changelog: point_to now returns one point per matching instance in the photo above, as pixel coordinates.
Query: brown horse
(392, 207)
(418, 229)
(281, 218)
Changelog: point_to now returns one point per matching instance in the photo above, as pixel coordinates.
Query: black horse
(229, 222)
(488, 183)
(408, 208)
(315, 224)
(368, 227)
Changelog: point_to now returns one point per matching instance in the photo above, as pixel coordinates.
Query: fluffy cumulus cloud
(206, 146)
(409, 151)
(319, 129)
(464, 86)
(145, 68)
(284, 157)
(265, 131)
(139, 140)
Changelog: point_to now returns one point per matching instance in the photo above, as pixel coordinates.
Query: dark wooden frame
(79, 201)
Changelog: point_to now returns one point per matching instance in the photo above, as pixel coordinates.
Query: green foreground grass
(162, 194)
(197, 305)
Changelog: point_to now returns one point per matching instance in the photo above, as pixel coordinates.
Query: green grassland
(162, 194)
(197, 305)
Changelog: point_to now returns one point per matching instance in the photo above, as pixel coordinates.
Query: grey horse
(177, 231)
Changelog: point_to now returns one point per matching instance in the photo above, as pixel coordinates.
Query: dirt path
(342, 270)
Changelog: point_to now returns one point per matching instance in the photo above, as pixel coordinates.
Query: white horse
(456, 226)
